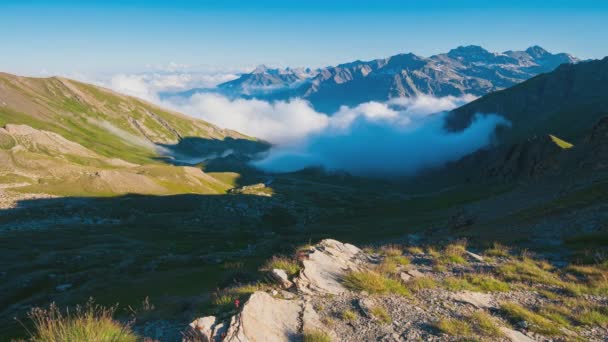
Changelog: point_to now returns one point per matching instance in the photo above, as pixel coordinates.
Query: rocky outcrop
(325, 265)
(319, 303)
(266, 319)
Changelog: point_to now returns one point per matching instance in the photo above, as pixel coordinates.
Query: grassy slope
(110, 125)
(96, 117)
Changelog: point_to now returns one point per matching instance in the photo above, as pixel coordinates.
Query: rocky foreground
(337, 292)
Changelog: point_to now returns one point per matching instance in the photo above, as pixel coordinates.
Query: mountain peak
(536, 51)
(260, 69)
(468, 50)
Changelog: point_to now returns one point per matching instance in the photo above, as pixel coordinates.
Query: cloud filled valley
(397, 137)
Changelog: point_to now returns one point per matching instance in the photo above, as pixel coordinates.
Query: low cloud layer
(398, 137)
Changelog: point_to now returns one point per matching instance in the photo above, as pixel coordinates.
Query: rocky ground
(339, 292)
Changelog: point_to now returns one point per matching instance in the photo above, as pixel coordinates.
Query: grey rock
(280, 277)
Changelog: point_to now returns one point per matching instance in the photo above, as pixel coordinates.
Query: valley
(110, 197)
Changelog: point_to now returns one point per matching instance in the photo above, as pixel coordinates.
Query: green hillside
(62, 137)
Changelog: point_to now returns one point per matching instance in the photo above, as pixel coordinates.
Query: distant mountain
(559, 128)
(565, 102)
(464, 70)
(264, 80)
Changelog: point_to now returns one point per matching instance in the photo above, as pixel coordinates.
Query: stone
(477, 299)
(312, 322)
(366, 305)
(219, 331)
(324, 268)
(475, 256)
(287, 294)
(265, 318)
(404, 276)
(204, 328)
(515, 336)
(280, 277)
(415, 273)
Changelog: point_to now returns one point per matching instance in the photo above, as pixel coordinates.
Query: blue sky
(94, 36)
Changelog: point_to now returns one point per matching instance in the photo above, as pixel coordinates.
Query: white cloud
(396, 137)
(281, 122)
(133, 85)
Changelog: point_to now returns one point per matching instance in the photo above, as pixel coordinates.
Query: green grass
(529, 271)
(381, 314)
(537, 323)
(420, 283)
(476, 282)
(497, 250)
(485, 324)
(290, 266)
(88, 323)
(454, 327)
(349, 315)
(374, 283)
(415, 250)
(316, 336)
(594, 317)
(391, 264)
(224, 300)
(477, 324)
(561, 143)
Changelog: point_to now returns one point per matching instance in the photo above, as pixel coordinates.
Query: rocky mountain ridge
(463, 70)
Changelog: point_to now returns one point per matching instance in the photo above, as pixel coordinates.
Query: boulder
(265, 319)
(415, 273)
(312, 322)
(366, 305)
(325, 266)
(475, 256)
(203, 328)
(477, 299)
(515, 336)
(280, 277)
(404, 277)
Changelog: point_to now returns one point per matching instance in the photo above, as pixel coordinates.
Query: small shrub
(349, 315)
(498, 250)
(415, 250)
(390, 264)
(91, 322)
(454, 253)
(374, 283)
(381, 314)
(288, 265)
(537, 323)
(433, 252)
(387, 266)
(391, 251)
(316, 336)
(328, 321)
(439, 268)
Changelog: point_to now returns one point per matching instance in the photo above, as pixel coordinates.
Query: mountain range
(463, 70)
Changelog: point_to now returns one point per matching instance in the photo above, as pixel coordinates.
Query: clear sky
(62, 36)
